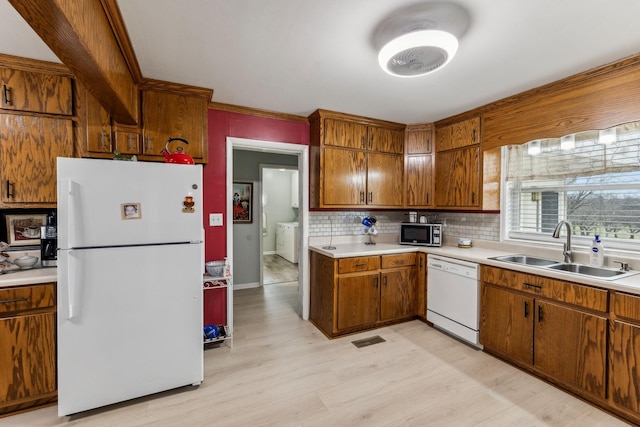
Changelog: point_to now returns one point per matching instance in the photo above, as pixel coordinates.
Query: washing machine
(287, 241)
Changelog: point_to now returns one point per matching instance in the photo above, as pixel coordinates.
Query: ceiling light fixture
(420, 38)
(418, 53)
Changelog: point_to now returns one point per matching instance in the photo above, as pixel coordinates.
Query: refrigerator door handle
(71, 287)
(67, 195)
(69, 279)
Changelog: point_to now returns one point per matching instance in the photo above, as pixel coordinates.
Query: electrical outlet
(215, 220)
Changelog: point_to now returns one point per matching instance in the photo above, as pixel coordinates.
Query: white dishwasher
(453, 297)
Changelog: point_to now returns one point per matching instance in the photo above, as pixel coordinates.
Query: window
(591, 179)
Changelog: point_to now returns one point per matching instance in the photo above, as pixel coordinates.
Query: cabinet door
(384, 180)
(624, 362)
(457, 135)
(398, 294)
(358, 299)
(36, 92)
(457, 183)
(28, 150)
(168, 115)
(570, 346)
(127, 142)
(506, 324)
(98, 127)
(340, 133)
(419, 139)
(418, 180)
(27, 357)
(343, 177)
(385, 140)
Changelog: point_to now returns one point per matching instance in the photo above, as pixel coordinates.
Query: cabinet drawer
(625, 305)
(352, 265)
(399, 260)
(23, 298)
(557, 290)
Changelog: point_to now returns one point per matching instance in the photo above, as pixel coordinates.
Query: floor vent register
(368, 341)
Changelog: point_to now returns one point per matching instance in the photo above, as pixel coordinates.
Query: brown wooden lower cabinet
(358, 300)
(27, 347)
(506, 325)
(352, 294)
(624, 354)
(584, 339)
(570, 346)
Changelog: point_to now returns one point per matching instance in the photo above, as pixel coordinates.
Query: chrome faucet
(567, 246)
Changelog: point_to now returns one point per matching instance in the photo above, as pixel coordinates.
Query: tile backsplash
(480, 226)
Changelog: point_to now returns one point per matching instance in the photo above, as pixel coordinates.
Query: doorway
(279, 218)
(302, 152)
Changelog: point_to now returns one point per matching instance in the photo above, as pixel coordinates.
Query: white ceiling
(294, 56)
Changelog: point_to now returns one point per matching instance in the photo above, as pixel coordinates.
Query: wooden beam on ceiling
(80, 34)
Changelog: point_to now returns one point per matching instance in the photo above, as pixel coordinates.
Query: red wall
(221, 125)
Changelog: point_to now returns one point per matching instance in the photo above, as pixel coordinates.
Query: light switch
(215, 220)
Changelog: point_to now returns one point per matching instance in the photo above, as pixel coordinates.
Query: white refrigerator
(130, 263)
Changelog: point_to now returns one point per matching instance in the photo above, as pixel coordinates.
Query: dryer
(287, 241)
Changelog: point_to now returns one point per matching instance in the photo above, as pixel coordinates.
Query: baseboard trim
(237, 286)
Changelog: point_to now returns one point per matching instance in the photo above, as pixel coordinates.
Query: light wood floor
(283, 372)
(278, 270)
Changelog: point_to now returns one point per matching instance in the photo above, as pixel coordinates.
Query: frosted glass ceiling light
(534, 148)
(607, 136)
(568, 142)
(418, 53)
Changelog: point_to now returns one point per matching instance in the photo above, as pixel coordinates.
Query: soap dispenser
(596, 258)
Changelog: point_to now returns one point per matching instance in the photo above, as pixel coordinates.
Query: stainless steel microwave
(415, 233)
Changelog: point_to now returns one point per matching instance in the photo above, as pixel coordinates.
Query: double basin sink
(585, 270)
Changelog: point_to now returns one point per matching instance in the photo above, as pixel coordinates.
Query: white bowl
(215, 268)
(26, 262)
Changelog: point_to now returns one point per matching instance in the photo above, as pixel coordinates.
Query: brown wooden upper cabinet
(29, 146)
(168, 111)
(418, 166)
(35, 92)
(171, 115)
(457, 135)
(355, 161)
(457, 165)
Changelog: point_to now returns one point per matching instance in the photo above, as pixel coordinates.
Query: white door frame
(303, 175)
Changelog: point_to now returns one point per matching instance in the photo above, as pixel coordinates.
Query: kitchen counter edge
(28, 277)
(480, 255)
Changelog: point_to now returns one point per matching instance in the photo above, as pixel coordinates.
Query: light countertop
(481, 253)
(33, 276)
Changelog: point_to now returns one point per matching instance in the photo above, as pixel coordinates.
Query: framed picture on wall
(23, 230)
(242, 202)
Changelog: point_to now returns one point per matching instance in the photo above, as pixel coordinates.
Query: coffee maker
(49, 242)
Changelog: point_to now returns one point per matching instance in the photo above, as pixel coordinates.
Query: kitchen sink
(587, 270)
(526, 260)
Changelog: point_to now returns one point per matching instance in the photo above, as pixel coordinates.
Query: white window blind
(594, 186)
